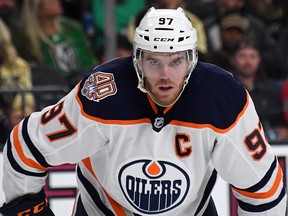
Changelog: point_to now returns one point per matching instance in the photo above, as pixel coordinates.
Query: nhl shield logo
(153, 187)
(159, 122)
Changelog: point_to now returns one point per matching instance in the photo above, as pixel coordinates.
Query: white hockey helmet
(165, 31)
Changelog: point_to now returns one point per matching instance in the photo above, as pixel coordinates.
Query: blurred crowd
(55, 42)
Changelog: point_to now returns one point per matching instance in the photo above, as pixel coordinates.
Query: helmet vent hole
(180, 39)
(171, 47)
(146, 38)
(155, 47)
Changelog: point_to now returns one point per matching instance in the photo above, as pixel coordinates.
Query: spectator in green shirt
(57, 41)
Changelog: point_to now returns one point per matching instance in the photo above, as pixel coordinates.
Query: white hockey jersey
(134, 158)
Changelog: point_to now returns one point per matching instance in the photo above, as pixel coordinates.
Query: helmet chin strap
(141, 85)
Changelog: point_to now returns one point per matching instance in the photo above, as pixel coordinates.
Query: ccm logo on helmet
(153, 187)
(164, 39)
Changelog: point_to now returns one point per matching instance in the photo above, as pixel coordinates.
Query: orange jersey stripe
(154, 107)
(28, 161)
(173, 122)
(218, 130)
(120, 122)
(267, 194)
(116, 206)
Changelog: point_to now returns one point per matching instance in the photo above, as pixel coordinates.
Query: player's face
(164, 75)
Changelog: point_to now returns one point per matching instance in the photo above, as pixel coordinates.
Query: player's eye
(175, 62)
(155, 63)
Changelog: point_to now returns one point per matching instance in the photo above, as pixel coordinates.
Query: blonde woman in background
(15, 73)
(58, 42)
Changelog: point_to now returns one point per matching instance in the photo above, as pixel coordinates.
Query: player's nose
(164, 73)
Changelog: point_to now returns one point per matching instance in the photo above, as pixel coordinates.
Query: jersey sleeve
(242, 156)
(59, 134)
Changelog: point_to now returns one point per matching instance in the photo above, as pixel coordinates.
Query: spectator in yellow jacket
(15, 74)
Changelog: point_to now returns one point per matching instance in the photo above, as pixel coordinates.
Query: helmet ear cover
(138, 53)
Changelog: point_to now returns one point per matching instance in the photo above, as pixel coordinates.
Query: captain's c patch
(99, 86)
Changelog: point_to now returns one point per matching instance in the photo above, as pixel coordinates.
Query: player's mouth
(165, 88)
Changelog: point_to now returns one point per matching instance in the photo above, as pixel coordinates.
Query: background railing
(44, 95)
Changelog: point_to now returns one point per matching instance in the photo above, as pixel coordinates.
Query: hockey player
(153, 151)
